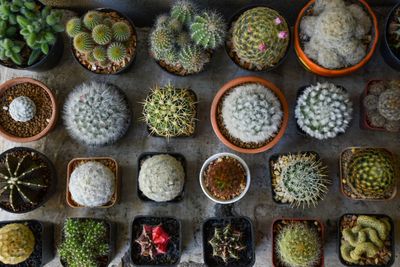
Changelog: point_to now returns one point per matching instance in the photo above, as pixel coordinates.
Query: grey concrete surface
(196, 207)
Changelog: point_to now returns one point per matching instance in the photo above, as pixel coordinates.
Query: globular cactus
(102, 34)
(161, 41)
(121, 31)
(389, 104)
(73, 27)
(252, 113)
(208, 30)
(83, 42)
(227, 243)
(116, 52)
(394, 30)
(324, 110)
(17, 243)
(99, 53)
(260, 37)
(153, 241)
(22, 109)
(183, 10)
(170, 111)
(192, 58)
(92, 19)
(96, 114)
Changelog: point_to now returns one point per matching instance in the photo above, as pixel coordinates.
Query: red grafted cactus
(153, 241)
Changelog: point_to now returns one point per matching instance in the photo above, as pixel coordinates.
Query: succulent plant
(73, 27)
(92, 184)
(83, 42)
(298, 245)
(227, 243)
(161, 178)
(170, 111)
(184, 11)
(260, 37)
(116, 52)
(84, 241)
(192, 58)
(153, 241)
(208, 30)
(252, 113)
(121, 31)
(102, 34)
(17, 243)
(96, 114)
(324, 110)
(22, 109)
(299, 179)
(394, 30)
(91, 19)
(161, 41)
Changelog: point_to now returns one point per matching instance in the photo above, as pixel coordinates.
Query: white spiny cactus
(22, 109)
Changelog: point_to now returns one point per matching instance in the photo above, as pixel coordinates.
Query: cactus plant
(183, 10)
(83, 42)
(153, 241)
(91, 19)
(324, 110)
(116, 52)
(208, 30)
(73, 27)
(192, 58)
(22, 109)
(96, 114)
(102, 34)
(394, 30)
(17, 243)
(170, 111)
(121, 31)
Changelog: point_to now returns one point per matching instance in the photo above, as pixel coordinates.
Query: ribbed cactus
(121, 31)
(208, 30)
(17, 243)
(260, 37)
(73, 27)
(183, 10)
(394, 30)
(170, 111)
(153, 241)
(193, 58)
(91, 19)
(83, 42)
(116, 52)
(161, 40)
(389, 104)
(102, 34)
(22, 109)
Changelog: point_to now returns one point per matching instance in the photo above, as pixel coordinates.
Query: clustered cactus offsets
(17, 243)
(324, 110)
(28, 30)
(153, 241)
(183, 40)
(97, 114)
(382, 105)
(336, 34)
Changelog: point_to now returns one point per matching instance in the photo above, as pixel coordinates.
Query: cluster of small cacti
(227, 243)
(299, 179)
(153, 241)
(17, 242)
(394, 30)
(382, 105)
(100, 37)
(96, 114)
(365, 239)
(22, 109)
(252, 113)
(334, 33)
(260, 37)
(170, 111)
(298, 245)
(324, 110)
(83, 242)
(92, 184)
(27, 30)
(161, 178)
(184, 38)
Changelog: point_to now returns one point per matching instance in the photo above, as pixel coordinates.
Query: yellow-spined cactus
(16, 243)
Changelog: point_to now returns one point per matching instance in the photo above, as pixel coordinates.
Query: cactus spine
(192, 58)
(22, 109)
(183, 10)
(208, 30)
(17, 243)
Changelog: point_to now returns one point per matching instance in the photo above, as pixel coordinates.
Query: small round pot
(208, 193)
(317, 69)
(234, 83)
(390, 57)
(54, 115)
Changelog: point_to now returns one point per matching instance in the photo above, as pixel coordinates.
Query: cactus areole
(153, 241)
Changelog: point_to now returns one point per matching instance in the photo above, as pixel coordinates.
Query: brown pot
(4, 86)
(234, 83)
(72, 165)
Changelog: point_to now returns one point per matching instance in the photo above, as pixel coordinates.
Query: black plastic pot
(391, 238)
(391, 57)
(53, 179)
(142, 158)
(44, 243)
(172, 226)
(243, 224)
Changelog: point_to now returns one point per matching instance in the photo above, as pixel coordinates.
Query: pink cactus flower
(283, 34)
(262, 47)
(278, 21)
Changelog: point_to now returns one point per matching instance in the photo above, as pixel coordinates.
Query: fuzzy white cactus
(22, 109)
(324, 110)
(161, 178)
(252, 113)
(92, 184)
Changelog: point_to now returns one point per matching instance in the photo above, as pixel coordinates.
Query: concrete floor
(196, 207)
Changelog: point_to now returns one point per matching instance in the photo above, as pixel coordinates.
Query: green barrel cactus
(116, 52)
(183, 10)
(193, 58)
(208, 30)
(102, 34)
(121, 31)
(73, 27)
(92, 19)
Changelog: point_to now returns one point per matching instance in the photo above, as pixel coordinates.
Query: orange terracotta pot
(234, 83)
(54, 106)
(314, 67)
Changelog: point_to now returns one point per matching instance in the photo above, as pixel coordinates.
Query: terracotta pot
(314, 67)
(234, 83)
(54, 116)
(70, 169)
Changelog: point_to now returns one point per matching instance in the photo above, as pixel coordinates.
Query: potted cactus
(183, 41)
(87, 242)
(156, 241)
(366, 240)
(170, 111)
(161, 177)
(259, 125)
(297, 242)
(323, 110)
(368, 173)
(27, 177)
(29, 35)
(28, 111)
(103, 41)
(298, 179)
(258, 39)
(97, 114)
(228, 241)
(380, 108)
(390, 45)
(335, 38)
(92, 182)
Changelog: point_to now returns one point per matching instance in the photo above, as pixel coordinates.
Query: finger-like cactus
(102, 34)
(208, 30)
(22, 109)
(17, 243)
